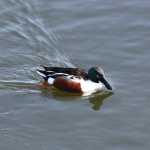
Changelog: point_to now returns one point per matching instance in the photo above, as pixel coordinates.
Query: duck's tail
(44, 72)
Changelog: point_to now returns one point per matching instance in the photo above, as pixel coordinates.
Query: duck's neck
(93, 78)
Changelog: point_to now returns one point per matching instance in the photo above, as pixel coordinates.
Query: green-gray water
(114, 34)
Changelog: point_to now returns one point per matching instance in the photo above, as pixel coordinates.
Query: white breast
(88, 86)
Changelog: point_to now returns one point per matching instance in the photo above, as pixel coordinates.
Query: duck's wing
(54, 72)
(70, 71)
(50, 74)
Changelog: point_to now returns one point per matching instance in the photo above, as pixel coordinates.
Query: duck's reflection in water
(96, 99)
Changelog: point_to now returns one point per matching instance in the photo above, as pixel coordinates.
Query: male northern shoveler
(75, 79)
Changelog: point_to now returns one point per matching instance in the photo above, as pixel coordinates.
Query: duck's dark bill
(107, 85)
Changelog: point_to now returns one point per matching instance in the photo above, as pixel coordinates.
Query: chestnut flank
(67, 85)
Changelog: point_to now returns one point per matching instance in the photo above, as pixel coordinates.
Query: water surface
(82, 33)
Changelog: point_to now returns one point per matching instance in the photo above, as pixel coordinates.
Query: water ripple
(29, 45)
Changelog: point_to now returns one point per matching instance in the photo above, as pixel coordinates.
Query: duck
(75, 80)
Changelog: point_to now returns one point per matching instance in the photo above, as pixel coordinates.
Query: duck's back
(70, 71)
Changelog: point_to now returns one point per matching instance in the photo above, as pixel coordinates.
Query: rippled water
(114, 34)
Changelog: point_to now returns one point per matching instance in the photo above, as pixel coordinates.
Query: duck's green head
(96, 74)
